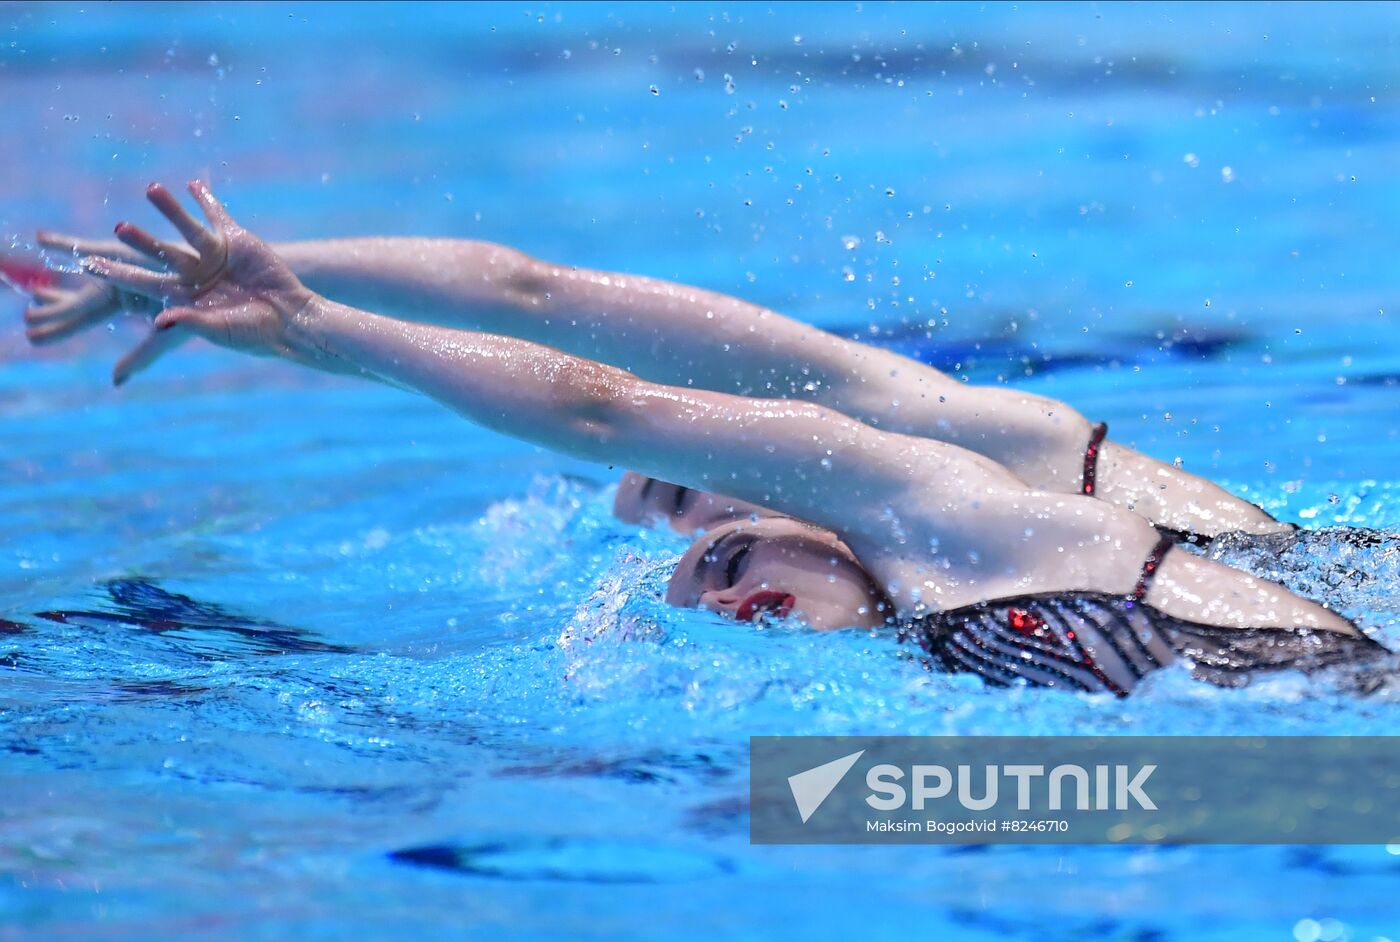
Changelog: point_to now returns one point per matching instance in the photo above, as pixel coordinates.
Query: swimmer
(689, 337)
(1015, 583)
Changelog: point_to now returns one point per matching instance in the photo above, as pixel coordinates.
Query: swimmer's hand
(61, 310)
(231, 289)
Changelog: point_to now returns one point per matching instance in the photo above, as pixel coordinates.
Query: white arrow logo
(811, 788)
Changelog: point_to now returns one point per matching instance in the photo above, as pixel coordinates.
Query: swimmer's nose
(720, 602)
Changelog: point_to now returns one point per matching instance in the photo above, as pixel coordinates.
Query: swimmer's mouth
(768, 602)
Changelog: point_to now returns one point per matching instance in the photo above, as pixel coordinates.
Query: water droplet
(1227, 174)
(1192, 160)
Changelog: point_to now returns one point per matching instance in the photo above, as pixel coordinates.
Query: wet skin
(641, 499)
(749, 568)
(777, 566)
(995, 536)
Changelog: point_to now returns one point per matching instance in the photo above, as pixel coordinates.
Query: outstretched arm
(678, 335)
(795, 456)
(683, 336)
(902, 503)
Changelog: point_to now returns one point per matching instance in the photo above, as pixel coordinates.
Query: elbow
(598, 405)
(527, 281)
(594, 439)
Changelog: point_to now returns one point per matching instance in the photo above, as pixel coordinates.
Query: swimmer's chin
(798, 618)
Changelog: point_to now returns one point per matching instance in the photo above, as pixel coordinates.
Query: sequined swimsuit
(1100, 642)
(1089, 486)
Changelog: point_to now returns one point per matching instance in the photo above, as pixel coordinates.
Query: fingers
(43, 334)
(57, 304)
(143, 281)
(151, 348)
(194, 232)
(65, 313)
(209, 323)
(77, 246)
(175, 257)
(37, 314)
(51, 323)
(48, 294)
(213, 210)
(192, 317)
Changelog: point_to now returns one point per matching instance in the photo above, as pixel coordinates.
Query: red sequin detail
(1091, 457)
(1149, 568)
(1024, 622)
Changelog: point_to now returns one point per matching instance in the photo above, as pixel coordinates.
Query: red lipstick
(765, 602)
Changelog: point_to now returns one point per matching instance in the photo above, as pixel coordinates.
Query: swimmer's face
(642, 499)
(777, 566)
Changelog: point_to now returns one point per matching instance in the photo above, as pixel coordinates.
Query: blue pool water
(286, 655)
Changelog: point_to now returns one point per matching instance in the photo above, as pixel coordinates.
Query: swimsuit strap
(1184, 536)
(1091, 456)
(1149, 568)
